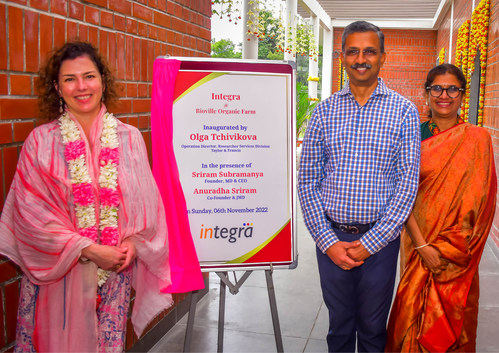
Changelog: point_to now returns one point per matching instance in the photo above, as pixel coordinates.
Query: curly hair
(48, 96)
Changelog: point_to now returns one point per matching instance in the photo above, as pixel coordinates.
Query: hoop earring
(61, 105)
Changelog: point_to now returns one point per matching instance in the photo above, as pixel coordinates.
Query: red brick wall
(443, 36)
(463, 12)
(130, 34)
(409, 56)
(491, 104)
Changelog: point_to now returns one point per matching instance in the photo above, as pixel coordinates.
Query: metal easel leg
(221, 314)
(273, 311)
(190, 321)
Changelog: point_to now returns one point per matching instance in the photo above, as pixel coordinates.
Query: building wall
(411, 53)
(130, 34)
(462, 12)
(409, 56)
(491, 104)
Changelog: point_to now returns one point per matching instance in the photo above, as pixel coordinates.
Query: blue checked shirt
(360, 164)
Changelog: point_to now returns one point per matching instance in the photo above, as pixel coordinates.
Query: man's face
(363, 58)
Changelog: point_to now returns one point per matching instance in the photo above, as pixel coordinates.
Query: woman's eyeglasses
(452, 91)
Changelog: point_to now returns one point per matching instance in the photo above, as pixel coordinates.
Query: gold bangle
(421, 246)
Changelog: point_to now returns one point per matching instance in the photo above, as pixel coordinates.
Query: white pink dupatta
(38, 231)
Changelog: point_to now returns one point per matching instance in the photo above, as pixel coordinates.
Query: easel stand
(233, 289)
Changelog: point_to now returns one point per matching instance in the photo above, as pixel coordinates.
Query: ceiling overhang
(397, 14)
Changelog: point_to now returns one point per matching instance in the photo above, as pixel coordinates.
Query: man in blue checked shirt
(358, 179)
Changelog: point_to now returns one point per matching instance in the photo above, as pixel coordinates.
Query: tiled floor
(302, 314)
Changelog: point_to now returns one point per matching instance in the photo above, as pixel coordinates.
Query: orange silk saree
(454, 209)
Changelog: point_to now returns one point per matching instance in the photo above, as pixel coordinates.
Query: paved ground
(302, 314)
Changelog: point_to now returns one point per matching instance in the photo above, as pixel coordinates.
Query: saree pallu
(454, 209)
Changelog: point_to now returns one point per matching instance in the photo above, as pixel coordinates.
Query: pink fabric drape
(185, 271)
(38, 231)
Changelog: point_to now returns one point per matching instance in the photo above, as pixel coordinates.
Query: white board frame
(249, 70)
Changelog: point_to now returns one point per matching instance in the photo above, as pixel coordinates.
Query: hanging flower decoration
(478, 41)
(304, 42)
(340, 70)
(463, 41)
(441, 56)
(315, 79)
(342, 75)
(462, 53)
(228, 9)
(253, 24)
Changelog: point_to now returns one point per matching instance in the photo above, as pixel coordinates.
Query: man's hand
(359, 252)
(338, 253)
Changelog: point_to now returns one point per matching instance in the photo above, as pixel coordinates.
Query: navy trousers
(358, 300)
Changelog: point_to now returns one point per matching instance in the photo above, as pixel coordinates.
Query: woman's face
(80, 85)
(445, 106)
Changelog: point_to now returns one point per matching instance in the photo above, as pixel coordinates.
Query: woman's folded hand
(432, 259)
(109, 258)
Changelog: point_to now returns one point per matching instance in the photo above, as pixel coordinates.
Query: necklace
(84, 198)
(432, 126)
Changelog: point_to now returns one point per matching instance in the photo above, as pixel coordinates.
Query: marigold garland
(478, 41)
(342, 75)
(441, 56)
(340, 70)
(463, 42)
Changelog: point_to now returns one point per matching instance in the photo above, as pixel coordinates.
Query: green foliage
(275, 55)
(224, 48)
(304, 108)
(269, 33)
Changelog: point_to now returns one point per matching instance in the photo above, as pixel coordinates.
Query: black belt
(353, 228)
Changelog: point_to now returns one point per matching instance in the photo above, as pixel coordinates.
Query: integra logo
(231, 234)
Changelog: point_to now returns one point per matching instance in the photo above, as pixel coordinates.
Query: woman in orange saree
(436, 305)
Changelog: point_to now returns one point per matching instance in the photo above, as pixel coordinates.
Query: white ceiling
(405, 14)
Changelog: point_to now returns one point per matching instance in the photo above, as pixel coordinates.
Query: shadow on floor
(302, 314)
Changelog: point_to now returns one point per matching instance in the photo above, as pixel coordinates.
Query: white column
(327, 62)
(313, 62)
(250, 41)
(290, 29)
(450, 31)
